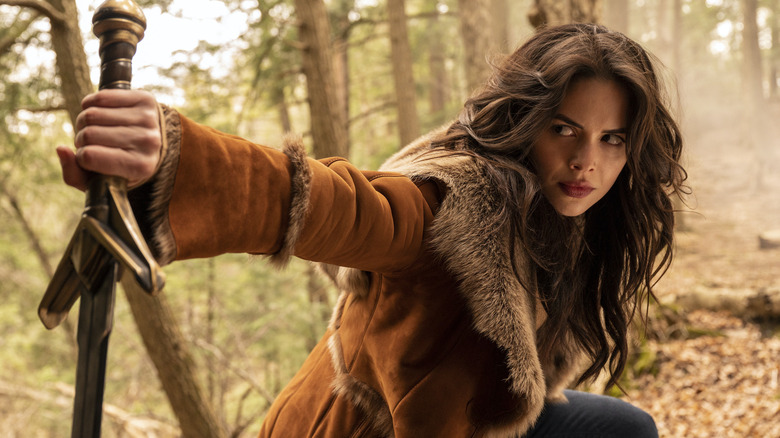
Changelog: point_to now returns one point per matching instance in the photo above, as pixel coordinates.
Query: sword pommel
(120, 25)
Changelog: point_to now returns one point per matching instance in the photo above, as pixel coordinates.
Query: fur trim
(372, 404)
(349, 280)
(300, 190)
(475, 250)
(153, 197)
(566, 362)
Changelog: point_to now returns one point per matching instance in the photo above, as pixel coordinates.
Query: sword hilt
(120, 25)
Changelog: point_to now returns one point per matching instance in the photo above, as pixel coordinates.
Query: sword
(107, 245)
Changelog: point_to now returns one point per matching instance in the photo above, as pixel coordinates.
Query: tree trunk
(72, 66)
(475, 25)
(175, 367)
(439, 86)
(556, 12)
(401, 58)
(616, 15)
(756, 119)
(328, 129)
(677, 31)
(341, 79)
(500, 15)
(751, 64)
(280, 100)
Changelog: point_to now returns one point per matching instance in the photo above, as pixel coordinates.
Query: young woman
(483, 268)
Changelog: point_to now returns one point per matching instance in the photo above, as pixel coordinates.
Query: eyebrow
(568, 120)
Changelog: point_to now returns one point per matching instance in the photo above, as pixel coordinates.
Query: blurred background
(389, 70)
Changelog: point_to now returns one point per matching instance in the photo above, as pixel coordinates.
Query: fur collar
(476, 249)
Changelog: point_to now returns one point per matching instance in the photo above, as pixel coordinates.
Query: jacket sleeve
(217, 193)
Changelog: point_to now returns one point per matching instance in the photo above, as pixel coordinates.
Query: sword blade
(95, 323)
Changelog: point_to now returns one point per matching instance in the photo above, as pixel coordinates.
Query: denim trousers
(592, 416)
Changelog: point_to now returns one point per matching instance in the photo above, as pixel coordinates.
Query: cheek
(545, 160)
(615, 172)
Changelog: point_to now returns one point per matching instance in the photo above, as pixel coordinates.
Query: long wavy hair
(591, 272)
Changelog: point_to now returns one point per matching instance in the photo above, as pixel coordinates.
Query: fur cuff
(300, 190)
(150, 200)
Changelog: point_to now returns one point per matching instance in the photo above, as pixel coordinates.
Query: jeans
(592, 416)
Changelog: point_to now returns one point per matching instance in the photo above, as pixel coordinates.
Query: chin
(569, 210)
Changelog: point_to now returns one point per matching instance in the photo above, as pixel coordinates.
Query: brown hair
(591, 282)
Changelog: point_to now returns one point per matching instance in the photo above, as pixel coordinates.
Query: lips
(576, 189)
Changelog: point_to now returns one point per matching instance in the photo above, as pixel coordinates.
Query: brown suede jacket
(433, 335)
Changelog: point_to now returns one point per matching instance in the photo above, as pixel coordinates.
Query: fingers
(117, 133)
(118, 99)
(144, 141)
(127, 164)
(72, 174)
(120, 108)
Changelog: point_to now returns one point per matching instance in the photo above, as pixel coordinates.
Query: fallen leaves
(714, 386)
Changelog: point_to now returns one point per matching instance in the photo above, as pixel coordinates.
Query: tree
(500, 17)
(403, 77)
(438, 78)
(756, 117)
(475, 25)
(616, 14)
(328, 127)
(751, 53)
(554, 12)
(67, 44)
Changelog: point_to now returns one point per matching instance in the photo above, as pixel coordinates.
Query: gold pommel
(123, 18)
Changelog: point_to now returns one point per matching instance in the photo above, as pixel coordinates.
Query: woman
(482, 268)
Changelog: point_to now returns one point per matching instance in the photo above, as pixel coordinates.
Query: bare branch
(132, 425)
(40, 6)
(245, 376)
(373, 110)
(43, 109)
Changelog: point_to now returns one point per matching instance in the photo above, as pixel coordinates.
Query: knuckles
(150, 140)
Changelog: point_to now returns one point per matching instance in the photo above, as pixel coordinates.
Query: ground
(722, 379)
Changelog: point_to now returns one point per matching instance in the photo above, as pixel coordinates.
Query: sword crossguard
(108, 232)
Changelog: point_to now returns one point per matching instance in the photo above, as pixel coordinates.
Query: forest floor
(720, 379)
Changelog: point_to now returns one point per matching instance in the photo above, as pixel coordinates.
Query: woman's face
(580, 155)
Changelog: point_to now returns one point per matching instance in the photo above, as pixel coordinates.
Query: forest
(361, 78)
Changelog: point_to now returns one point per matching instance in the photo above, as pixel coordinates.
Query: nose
(583, 157)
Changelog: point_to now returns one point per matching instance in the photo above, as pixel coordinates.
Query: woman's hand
(117, 133)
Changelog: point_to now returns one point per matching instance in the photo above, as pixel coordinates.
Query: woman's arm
(216, 193)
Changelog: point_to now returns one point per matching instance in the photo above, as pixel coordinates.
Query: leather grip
(120, 25)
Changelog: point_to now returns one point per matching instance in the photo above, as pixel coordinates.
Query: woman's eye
(613, 139)
(563, 130)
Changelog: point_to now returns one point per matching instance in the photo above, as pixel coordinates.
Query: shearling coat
(432, 336)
